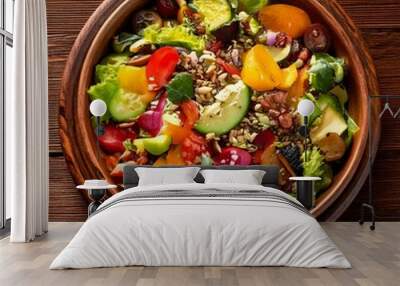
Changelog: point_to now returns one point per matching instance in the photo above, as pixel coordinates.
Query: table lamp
(96, 188)
(305, 186)
(98, 108)
(305, 108)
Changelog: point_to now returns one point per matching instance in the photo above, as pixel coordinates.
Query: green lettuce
(107, 85)
(122, 41)
(105, 91)
(106, 72)
(316, 167)
(115, 59)
(352, 128)
(252, 6)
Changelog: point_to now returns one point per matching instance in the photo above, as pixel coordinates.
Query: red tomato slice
(161, 66)
(233, 156)
(113, 138)
(264, 139)
(192, 147)
(191, 112)
(231, 69)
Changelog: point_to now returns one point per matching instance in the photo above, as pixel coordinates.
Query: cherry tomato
(264, 139)
(167, 8)
(231, 69)
(233, 156)
(161, 66)
(113, 138)
(191, 112)
(192, 147)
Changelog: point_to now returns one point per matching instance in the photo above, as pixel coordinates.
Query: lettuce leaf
(105, 91)
(352, 128)
(106, 72)
(252, 6)
(316, 167)
(122, 41)
(116, 59)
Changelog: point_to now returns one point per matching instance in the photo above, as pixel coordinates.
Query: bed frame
(270, 179)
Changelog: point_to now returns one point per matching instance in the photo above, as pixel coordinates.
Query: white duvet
(204, 231)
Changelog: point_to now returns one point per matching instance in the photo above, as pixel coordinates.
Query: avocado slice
(216, 13)
(341, 93)
(156, 145)
(220, 117)
(331, 100)
(331, 121)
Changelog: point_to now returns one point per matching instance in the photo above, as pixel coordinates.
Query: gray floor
(375, 257)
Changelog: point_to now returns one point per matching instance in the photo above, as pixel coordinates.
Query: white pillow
(248, 177)
(166, 176)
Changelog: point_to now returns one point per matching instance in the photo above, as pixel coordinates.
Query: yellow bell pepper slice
(133, 79)
(289, 77)
(260, 71)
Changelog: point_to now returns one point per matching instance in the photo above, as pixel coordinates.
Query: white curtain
(27, 124)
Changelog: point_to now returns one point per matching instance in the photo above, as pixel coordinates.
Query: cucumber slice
(126, 106)
(232, 105)
(279, 54)
(158, 145)
(216, 13)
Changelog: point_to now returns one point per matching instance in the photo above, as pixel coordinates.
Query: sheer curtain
(27, 124)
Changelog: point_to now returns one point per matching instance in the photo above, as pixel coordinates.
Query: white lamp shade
(98, 107)
(305, 107)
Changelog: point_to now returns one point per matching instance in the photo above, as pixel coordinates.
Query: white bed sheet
(200, 232)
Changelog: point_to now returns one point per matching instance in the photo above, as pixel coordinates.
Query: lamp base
(305, 192)
(96, 195)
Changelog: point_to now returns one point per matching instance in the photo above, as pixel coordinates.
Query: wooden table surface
(379, 22)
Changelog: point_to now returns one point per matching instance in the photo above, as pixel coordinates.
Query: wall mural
(183, 87)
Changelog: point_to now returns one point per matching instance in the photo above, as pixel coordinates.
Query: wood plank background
(379, 22)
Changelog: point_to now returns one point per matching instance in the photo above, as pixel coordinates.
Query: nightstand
(97, 190)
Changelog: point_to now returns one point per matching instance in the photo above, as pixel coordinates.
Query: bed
(201, 224)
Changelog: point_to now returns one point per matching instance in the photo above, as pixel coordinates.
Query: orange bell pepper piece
(174, 156)
(285, 18)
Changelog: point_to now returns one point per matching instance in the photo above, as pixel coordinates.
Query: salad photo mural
(218, 82)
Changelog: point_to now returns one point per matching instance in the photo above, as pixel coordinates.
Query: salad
(218, 83)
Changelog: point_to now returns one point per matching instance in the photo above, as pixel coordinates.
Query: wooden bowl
(78, 137)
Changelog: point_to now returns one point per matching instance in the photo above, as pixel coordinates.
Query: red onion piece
(151, 121)
(271, 38)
